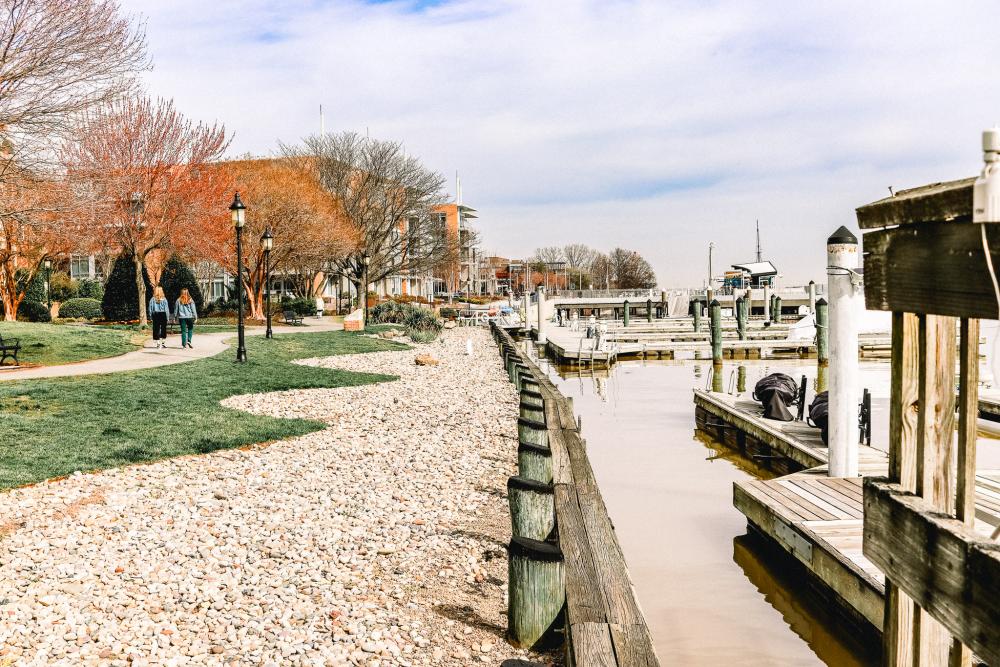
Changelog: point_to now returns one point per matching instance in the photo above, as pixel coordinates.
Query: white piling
(767, 302)
(846, 296)
(541, 315)
(812, 297)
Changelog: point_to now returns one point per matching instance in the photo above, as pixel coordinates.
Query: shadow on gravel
(517, 662)
(468, 616)
(499, 493)
(481, 537)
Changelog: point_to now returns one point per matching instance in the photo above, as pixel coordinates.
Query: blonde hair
(185, 297)
(158, 293)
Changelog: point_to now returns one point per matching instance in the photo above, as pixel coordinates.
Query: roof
(758, 268)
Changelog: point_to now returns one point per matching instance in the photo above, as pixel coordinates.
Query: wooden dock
(603, 622)
(817, 519)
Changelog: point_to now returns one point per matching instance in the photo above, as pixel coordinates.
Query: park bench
(292, 318)
(9, 347)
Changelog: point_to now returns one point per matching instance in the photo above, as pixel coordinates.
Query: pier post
(531, 432)
(715, 315)
(845, 301)
(767, 302)
(697, 316)
(740, 311)
(625, 309)
(529, 410)
(822, 333)
(741, 379)
(536, 589)
(776, 311)
(663, 304)
(812, 296)
(534, 462)
(532, 508)
(649, 310)
(541, 315)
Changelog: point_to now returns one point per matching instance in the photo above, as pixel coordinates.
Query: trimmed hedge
(33, 311)
(89, 309)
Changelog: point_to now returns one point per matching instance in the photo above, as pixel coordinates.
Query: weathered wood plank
(633, 645)
(938, 561)
(939, 202)
(931, 268)
(584, 602)
(968, 408)
(589, 645)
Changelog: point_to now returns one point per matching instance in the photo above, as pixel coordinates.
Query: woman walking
(159, 310)
(186, 314)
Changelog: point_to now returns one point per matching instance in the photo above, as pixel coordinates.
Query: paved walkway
(205, 345)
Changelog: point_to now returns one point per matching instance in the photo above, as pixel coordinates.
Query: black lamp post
(267, 242)
(237, 212)
(364, 288)
(47, 263)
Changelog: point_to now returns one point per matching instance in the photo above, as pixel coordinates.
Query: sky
(654, 126)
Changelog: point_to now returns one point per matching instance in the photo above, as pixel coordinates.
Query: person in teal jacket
(187, 314)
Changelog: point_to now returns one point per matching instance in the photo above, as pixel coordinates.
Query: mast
(758, 241)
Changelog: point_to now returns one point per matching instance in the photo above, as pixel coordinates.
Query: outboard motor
(819, 414)
(777, 392)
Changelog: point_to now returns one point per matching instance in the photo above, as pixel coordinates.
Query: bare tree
(59, 58)
(149, 166)
(390, 200)
(579, 258)
(631, 270)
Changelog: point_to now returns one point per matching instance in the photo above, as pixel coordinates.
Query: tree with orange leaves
(302, 216)
(151, 170)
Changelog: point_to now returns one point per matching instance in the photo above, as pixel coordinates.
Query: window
(79, 267)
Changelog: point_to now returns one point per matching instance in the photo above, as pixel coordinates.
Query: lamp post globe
(267, 242)
(237, 212)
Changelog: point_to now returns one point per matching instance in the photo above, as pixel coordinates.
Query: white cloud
(652, 125)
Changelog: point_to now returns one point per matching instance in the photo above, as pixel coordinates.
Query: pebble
(319, 550)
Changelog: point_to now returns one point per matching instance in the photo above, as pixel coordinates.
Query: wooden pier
(817, 519)
(603, 625)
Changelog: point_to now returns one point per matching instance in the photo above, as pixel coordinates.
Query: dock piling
(822, 333)
(534, 462)
(845, 302)
(537, 590)
(697, 316)
(715, 315)
(776, 310)
(741, 317)
(812, 296)
(767, 302)
(649, 310)
(532, 508)
(625, 312)
(531, 432)
(541, 315)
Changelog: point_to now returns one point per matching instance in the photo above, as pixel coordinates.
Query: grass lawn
(52, 344)
(54, 427)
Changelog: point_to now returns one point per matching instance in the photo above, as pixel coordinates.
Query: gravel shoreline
(377, 541)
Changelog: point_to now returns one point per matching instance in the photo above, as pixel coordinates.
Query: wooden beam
(897, 635)
(937, 560)
(937, 202)
(932, 268)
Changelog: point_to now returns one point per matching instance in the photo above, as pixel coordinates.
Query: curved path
(205, 345)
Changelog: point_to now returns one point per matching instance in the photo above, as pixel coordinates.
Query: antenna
(758, 241)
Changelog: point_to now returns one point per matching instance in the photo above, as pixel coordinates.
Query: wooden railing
(602, 623)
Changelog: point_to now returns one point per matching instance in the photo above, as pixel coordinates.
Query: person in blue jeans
(159, 310)
(186, 314)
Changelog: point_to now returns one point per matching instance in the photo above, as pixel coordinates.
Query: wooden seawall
(603, 624)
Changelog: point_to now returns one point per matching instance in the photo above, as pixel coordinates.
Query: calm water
(712, 594)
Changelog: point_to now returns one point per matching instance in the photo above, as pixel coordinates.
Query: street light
(267, 242)
(47, 263)
(365, 259)
(237, 212)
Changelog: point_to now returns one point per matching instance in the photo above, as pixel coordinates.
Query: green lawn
(53, 344)
(54, 427)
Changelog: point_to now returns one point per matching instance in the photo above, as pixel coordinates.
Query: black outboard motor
(776, 392)
(819, 414)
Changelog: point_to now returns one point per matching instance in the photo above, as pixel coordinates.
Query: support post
(649, 310)
(541, 316)
(846, 300)
(625, 313)
(531, 432)
(532, 508)
(741, 319)
(822, 333)
(715, 314)
(663, 304)
(537, 590)
(767, 301)
(697, 316)
(534, 462)
(776, 310)
(812, 296)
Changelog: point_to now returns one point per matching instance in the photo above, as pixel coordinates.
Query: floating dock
(816, 519)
